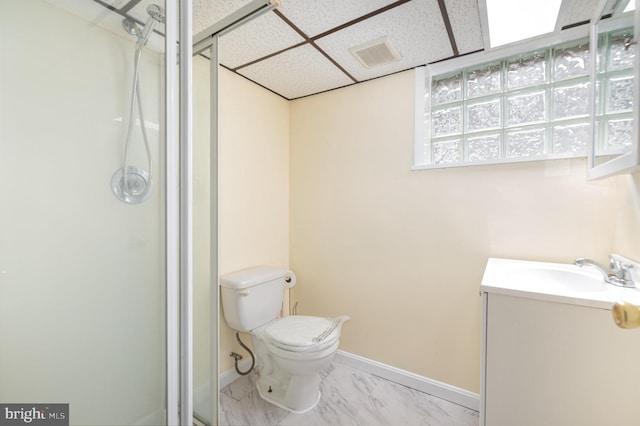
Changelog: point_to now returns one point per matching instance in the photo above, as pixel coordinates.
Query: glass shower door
(82, 273)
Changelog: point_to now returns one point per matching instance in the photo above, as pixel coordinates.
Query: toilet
(290, 351)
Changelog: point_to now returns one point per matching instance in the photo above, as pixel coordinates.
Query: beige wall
(627, 240)
(254, 184)
(253, 192)
(403, 252)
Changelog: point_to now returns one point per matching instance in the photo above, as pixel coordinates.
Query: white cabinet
(548, 363)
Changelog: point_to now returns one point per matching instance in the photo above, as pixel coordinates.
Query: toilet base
(299, 396)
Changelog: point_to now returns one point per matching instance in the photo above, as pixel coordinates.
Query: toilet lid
(298, 331)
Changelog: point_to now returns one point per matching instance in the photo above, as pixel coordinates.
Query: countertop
(546, 281)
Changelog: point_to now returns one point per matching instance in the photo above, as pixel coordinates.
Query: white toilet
(292, 350)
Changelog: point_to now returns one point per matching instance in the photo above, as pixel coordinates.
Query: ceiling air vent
(377, 52)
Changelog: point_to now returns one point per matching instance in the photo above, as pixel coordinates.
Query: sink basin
(568, 276)
(555, 282)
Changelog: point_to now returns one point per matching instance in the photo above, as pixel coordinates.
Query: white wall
(403, 252)
(82, 274)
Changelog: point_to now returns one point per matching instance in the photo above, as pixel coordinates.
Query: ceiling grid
(303, 47)
(447, 24)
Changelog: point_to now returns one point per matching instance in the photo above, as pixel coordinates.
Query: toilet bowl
(290, 360)
(291, 351)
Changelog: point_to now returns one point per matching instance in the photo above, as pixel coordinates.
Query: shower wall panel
(82, 303)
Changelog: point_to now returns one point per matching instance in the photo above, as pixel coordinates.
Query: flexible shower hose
(253, 359)
(136, 100)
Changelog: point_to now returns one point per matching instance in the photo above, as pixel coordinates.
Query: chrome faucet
(618, 273)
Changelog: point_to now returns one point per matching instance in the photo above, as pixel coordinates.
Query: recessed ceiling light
(511, 21)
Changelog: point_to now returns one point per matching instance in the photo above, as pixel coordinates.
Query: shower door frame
(208, 40)
(179, 227)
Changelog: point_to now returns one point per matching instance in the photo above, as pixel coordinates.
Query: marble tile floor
(350, 397)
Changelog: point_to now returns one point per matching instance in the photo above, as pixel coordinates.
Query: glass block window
(483, 115)
(525, 143)
(570, 100)
(571, 61)
(526, 107)
(446, 152)
(485, 80)
(484, 147)
(446, 89)
(527, 71)
(615, 93)
(570, 138)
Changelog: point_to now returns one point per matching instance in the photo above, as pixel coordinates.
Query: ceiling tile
(263, 36)
(315, 17)
(575, 11)
(208, 12)
(416, 29)
(297, 72)
(465, 23)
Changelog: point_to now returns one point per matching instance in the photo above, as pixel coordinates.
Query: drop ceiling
(303, 47)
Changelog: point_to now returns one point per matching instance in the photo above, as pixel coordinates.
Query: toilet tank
(252, 297)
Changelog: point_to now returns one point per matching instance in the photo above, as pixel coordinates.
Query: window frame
(423, 78)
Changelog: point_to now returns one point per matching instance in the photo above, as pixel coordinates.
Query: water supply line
(237, 357)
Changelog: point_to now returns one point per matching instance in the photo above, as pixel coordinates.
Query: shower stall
(100, 307)
(89, 218)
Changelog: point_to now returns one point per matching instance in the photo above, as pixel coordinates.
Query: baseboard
(423, 384)
(420, 383)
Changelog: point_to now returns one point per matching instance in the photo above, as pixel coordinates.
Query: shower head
(131, 27)
(156, 14)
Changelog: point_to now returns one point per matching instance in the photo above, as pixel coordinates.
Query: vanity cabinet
(552, 364)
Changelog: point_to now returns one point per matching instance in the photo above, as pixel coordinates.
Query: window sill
(418, 167)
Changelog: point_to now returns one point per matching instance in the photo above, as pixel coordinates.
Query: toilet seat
(299, 334)
(303, 356)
